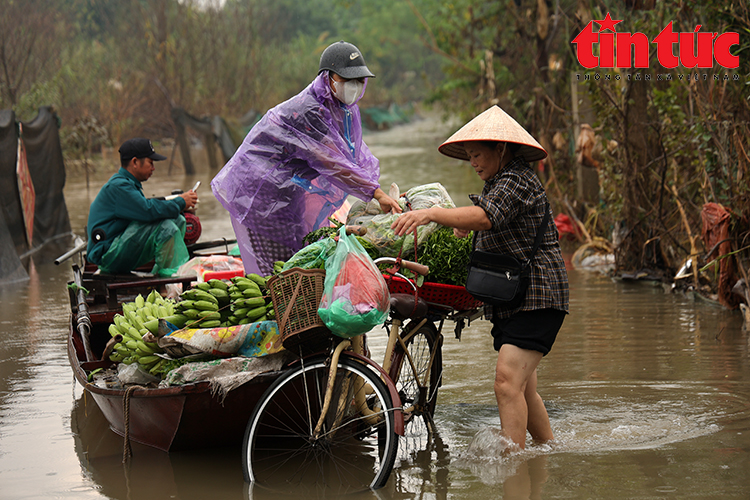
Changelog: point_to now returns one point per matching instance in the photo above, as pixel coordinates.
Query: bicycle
(333, 419)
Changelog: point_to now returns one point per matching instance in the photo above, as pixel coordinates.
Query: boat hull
(172, 418)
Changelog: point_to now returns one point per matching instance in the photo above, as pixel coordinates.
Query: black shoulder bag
(502, 280)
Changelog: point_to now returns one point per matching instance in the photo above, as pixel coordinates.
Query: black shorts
(532, 330)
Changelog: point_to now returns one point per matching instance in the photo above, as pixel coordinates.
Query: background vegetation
(665, 147)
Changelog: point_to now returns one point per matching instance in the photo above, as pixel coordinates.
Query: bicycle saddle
(402, 306)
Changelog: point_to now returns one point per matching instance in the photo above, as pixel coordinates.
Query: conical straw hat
(493, 125)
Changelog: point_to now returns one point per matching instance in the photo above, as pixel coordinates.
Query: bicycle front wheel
(289, 447)
(418, 386)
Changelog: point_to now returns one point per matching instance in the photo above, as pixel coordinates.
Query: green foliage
(447, 256)
(125, 63)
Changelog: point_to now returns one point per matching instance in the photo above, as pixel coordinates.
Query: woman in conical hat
(505, 219)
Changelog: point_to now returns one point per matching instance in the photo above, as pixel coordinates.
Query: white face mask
(349, 91)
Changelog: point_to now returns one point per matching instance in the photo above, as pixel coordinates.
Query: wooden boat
(171, 418)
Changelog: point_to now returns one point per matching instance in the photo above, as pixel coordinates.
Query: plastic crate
(222, 275)
(453, 296)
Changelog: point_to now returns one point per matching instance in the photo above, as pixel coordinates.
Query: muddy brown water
(648, 391)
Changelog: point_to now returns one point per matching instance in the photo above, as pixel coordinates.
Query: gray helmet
(345, 60)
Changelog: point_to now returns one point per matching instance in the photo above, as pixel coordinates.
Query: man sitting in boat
(127, 230)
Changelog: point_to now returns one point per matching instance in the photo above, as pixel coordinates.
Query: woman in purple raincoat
(298, 164)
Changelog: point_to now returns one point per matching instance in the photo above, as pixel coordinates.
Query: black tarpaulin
(44, 156)
(11, 267)
(9, 197)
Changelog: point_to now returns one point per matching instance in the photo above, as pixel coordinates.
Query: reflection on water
(648, 392)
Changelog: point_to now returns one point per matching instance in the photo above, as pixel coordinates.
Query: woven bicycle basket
(296, 294)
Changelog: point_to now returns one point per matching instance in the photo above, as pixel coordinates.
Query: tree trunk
(182, 141)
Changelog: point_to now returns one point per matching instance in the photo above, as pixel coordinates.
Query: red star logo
(607, 23)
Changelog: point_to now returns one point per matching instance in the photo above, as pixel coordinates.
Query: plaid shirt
(514, 200)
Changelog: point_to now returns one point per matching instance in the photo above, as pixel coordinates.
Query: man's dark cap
(139, 148)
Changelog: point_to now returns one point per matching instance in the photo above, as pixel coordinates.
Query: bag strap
(539, 234)
(537, 240)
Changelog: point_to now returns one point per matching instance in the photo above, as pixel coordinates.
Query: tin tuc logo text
(631, 50)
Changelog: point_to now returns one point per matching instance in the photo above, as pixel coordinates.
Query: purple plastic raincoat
(293, 170)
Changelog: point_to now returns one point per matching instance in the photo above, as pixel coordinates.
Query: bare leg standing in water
(519, 405)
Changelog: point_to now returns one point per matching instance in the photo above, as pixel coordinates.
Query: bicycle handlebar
(416, 267)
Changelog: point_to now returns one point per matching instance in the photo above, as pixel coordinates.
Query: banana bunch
(250, 300)
(206, 305)
(217, 303)
(137, 319)
(278, 266)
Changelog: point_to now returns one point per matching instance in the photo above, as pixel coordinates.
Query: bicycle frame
(356, 346)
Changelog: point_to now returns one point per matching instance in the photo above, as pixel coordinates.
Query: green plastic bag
(162, 241)
(355, 294)
(313, 256)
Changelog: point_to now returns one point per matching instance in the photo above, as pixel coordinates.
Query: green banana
(218, 284)
(147, 360)
(259, 280)
(220, 294)
(197, 294)
(191, 313)
(122, 349)
(177, 320)
(210, 323)
(116, 357)
(251, 302)
(143, 349)
(209, 315)
(240, 312)
(134, 333)
(254, 314)
(205, 305)
(113, 330)
(154, 369)
(119, 318)
(185, 304)
(252, 292)
(244, 285)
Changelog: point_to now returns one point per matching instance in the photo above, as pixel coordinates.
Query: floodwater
(648, 391)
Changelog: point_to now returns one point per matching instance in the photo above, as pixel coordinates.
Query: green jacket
(120, 202)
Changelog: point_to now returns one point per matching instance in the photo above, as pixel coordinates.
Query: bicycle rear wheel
(352, 452)
(421, 345)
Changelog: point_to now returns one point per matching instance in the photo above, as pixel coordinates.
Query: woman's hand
(387, 204)
(462, 219)
(409, 221)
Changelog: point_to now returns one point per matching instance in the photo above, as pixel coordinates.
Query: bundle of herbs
(447, 256)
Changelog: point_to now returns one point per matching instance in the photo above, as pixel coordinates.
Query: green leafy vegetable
(447, 256)
(322, 232)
